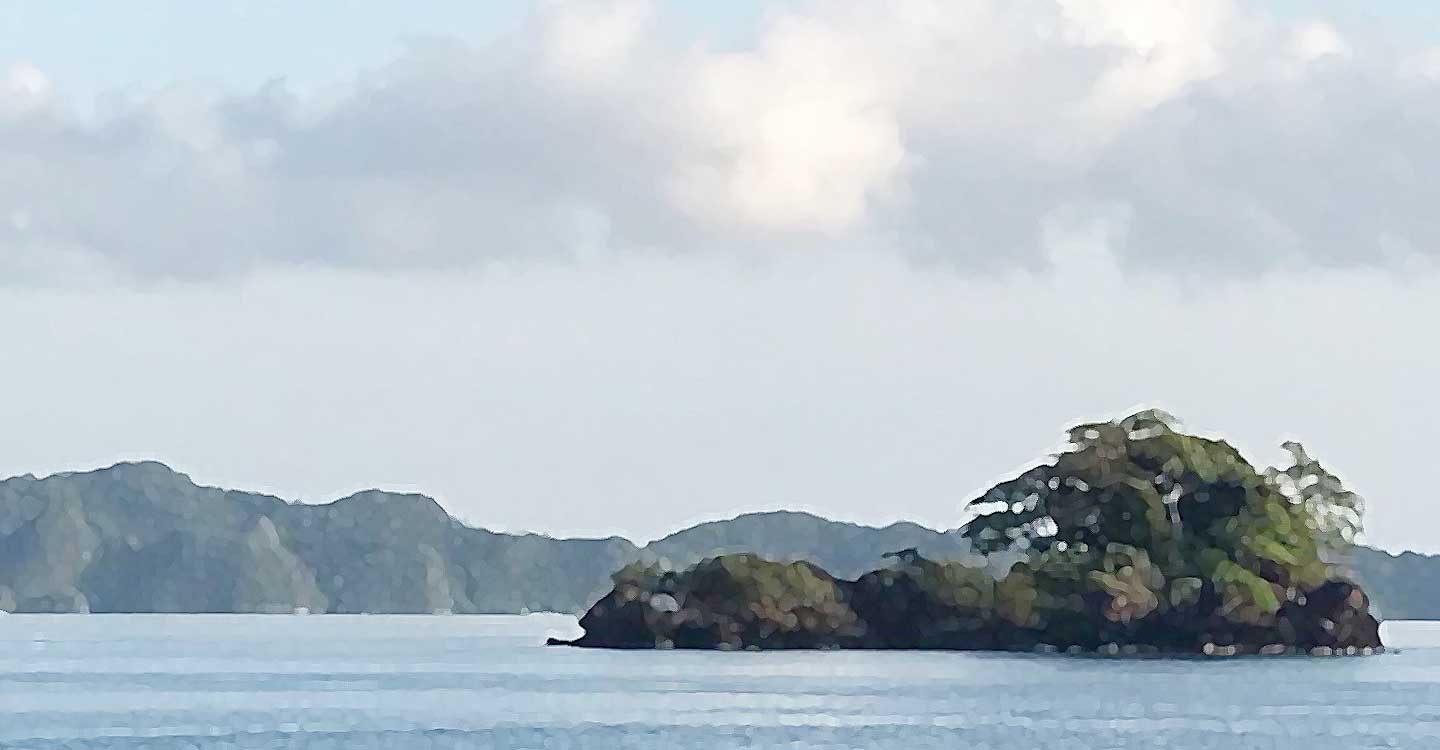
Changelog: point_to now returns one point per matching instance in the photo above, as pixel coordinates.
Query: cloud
(593, 40)
(955, 132)
(799, 134)
(26, 85)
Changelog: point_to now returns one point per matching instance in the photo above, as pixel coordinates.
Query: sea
(378, 681)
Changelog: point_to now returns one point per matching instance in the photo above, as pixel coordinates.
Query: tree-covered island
(1139, 538)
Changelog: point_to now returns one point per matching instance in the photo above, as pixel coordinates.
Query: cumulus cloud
(1211, 134)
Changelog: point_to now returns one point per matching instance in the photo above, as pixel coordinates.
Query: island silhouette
(1189, 548)
(1139, 538)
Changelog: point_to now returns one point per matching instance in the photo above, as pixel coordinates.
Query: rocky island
(1139, 538)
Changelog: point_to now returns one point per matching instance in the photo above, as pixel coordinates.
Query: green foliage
(958, 586)
(1132, 585)
(1138, 505)
(1334, 514)
(738, 600)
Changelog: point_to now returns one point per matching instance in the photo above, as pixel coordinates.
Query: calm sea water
(197, 681)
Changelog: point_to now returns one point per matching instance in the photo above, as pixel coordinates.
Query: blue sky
(90, 47)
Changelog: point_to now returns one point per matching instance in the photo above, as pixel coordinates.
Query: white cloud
(1318, 39)
(942, 130)
(800, 134)
(25, 82)
(592, 40)
(1161, 46)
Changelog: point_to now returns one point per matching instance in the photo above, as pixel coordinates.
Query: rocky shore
(743, 602)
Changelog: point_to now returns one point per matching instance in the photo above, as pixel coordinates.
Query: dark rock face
(746, 602)
(1334, 616)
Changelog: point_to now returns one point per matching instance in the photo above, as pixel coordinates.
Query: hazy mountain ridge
(141, 537)
(1403, 586)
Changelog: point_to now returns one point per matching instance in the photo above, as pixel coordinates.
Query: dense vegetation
(1165, 529)
(1137, 537)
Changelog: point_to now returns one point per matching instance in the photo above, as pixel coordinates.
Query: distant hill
(846, 549)
(1403, 587)
(141, 537)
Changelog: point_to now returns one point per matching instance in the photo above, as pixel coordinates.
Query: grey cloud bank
(1210, 134)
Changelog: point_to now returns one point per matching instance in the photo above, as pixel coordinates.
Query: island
(1137, 539)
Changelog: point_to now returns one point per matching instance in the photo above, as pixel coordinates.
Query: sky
(615, 267)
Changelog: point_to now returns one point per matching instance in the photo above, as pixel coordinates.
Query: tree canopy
(1183, 507)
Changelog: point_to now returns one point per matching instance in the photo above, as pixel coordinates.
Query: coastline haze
(889, 395)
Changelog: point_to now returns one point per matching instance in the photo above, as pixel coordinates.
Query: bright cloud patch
(942, 130)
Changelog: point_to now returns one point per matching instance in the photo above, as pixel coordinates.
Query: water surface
(334, 681)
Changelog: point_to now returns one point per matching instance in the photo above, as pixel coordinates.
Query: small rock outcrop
(1335, 616)
(730, 602)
